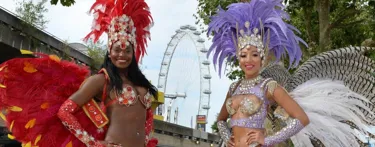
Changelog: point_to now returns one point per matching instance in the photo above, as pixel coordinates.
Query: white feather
(326, 103)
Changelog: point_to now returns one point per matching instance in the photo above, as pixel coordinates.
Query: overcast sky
(73, 23)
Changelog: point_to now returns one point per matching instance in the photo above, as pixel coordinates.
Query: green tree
(32, 14)
(97, 52)
(207, 8)
(324, 24)
(66, 3)
(65, 51)
(214, 126)
(327, 24)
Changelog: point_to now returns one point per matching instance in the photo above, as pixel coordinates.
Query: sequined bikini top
(129, 97)
(251, 102)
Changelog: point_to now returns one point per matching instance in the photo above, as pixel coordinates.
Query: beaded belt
(247, 123)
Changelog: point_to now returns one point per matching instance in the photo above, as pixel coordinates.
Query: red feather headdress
(125, 21)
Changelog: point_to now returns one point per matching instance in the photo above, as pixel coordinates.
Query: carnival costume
(34, 91)
(335, 88)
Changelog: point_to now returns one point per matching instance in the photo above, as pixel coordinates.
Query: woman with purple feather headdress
(253, 32)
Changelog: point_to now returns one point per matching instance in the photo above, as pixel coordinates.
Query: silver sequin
(223, 130)
(292, 128)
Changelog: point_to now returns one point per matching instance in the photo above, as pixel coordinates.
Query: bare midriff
(127, 125)
(240, 135)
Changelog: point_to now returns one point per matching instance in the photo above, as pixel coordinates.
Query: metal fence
(37, 27)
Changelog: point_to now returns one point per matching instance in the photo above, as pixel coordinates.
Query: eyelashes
(119, 50)
(244, 56)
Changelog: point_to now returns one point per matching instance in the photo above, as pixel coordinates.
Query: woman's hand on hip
(231, 143)
(255, 137)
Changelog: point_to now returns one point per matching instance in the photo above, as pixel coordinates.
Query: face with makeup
(250, 62)
(121, 57)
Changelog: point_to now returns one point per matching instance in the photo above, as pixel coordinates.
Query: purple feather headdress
(238, 27)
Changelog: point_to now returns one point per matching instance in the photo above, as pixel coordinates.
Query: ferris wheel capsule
(207, 76)
(207, 91)
(207, 107)
(191, 33)
(206, 62)
(204, 50)
(201, 40)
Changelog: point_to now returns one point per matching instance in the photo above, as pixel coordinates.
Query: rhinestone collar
(251, 82)
(246, 85)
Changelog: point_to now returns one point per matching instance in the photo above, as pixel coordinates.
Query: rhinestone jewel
(250, 38)
(246, 85)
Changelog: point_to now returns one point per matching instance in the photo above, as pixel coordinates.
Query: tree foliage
(207, 8)
(66, 3)
(97, 52)
(324, 24)
(66, 51)
(330, 24)
(32, 13)
(214, 126)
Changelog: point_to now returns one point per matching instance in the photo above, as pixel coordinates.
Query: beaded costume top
(129, 96)
(251, 104)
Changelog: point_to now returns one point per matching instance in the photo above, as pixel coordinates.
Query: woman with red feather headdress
(49, 102)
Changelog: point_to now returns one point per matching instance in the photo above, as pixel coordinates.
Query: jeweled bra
(129, 97)
(258, 116)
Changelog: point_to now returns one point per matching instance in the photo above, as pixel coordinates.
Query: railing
(174, 130)
(47, 39)
(37, 27)
(160, 127)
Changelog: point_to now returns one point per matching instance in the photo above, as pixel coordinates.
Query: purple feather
(282, 40)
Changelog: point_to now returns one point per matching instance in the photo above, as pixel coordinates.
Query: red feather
(39, 86)
(137, 10)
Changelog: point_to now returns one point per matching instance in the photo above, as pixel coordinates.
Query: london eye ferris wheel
(197, 59)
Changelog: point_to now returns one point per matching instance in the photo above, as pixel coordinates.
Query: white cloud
(73, 23)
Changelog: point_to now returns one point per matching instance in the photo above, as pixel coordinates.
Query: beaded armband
(292, 128)
(96, 115)
(148, 124)
(66, 111)
(224, 131)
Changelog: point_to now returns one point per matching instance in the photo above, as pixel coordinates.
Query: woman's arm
(222, 124)
(223, 115)
(297, 117)
(283, 99)
(150, 142)
(91, 87)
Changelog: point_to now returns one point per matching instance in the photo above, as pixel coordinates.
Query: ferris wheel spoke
(194, 67)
